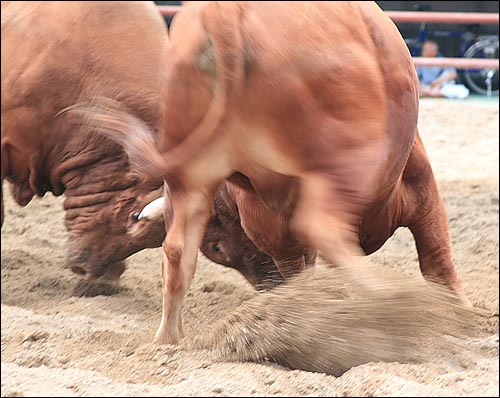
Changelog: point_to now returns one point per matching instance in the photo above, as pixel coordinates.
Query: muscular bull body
(53, 55)
(316, 104)
(243, 233)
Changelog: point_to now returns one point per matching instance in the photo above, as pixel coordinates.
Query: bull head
(224, 242)
(103, 227)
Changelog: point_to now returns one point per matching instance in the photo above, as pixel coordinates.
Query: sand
(58, 343)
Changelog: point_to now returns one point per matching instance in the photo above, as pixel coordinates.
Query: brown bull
(224, 242)
(320, 95)
(53, 55)
(243, 233)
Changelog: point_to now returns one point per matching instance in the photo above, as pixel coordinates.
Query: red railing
(169, 11)
(407, 16)
(431, 17)
(459, 63)
(444, 17)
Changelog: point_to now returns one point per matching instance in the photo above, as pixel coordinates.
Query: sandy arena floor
(56, 344)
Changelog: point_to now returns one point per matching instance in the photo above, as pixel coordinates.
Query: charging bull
(315, 104)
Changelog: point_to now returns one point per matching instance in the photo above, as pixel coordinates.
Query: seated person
(437, 81)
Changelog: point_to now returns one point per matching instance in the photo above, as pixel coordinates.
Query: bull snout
(111, 273)
(78, 270)
(85, 269)
(79, 263)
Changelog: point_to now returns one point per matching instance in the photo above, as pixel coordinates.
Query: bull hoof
(460, 296)
(163, 338)
(465, 300)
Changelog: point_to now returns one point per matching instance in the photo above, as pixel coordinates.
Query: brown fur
(321, 92)
(226, 243)
(413, 203)
(55, 54)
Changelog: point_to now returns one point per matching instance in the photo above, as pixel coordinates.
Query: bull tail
(112, 119)
(221, 23)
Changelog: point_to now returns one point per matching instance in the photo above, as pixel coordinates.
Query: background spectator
(437, 81)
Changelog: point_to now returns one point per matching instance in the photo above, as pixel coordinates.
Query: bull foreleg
(191, 211)
(423, 211)
(434, 250)
(322, 218)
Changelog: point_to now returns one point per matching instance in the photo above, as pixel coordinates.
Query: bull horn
(153, 210)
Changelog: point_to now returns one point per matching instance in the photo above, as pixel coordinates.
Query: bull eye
(134, 216)
(216, 248)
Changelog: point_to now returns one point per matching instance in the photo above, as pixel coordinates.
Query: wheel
(477, 79)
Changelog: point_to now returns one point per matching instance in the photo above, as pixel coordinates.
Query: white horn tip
(152, 210)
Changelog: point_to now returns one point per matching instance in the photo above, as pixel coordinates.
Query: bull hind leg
(191, 212)
(424, 213)
(323, 217)
(1, 202)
